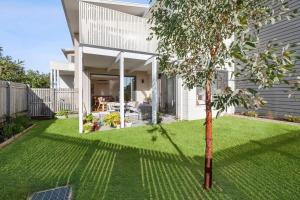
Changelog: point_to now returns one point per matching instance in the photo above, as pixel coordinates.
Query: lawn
(252, 160)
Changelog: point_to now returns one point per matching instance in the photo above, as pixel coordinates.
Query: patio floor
(165, 119)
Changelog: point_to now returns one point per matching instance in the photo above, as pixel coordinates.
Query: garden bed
(13, 138)
(14, 126)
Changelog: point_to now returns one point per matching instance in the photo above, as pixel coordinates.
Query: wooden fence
(38, 102)
(44, 102)
(13, 99)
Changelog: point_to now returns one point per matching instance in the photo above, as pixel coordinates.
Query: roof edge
(122, 3)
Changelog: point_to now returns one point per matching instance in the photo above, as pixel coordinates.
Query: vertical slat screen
(46, 102)
(110, 28)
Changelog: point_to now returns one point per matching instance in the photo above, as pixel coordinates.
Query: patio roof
(108, 59)
(62, 66)
(66, 52)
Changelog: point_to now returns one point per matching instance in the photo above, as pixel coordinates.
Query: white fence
(44, 102)
(38, 102)
(110, 28)
(13, 99)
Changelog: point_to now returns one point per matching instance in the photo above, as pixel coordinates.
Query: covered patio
(117, 81)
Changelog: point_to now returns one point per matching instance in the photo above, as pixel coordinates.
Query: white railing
(113, 29)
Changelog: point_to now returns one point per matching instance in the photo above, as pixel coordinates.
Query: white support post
(80, 89)
(89, 106)
(51, 78)
(122, 112)
(154, 91)
(54, 78)
(58, 79)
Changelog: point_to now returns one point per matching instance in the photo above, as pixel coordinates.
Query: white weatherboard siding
(109, 28)
(278, 102)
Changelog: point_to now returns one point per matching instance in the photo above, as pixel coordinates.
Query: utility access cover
(60, 193)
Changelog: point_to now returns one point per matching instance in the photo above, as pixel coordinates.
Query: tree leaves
(193, 43)
(13, 70)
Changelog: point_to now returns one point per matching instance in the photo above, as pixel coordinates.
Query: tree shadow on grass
(265, 169)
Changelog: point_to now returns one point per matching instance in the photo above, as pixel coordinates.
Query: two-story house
(113, 61)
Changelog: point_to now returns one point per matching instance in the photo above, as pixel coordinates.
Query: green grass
(252, 160)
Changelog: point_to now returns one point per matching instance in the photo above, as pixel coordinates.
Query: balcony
(109, 28)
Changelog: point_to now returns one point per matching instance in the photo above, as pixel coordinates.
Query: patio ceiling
(108, 63)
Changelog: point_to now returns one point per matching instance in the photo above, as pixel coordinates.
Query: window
(220, 84)
(130, 88)
(72, 59)
(222, 81)
(200, 96)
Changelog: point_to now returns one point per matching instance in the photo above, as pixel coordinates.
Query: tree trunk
(208, 138)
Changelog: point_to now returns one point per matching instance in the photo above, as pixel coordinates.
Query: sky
(35, 31)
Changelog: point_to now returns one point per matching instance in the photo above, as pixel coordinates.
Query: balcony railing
(110, 28)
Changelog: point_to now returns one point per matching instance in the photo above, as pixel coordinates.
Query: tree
(37, 80)
(11, 70)
(195, 42)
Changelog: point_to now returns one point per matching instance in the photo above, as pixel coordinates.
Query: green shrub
(24, 121)
(292, 118)
(112, 119)
(251, 114)
(15, 126)
(87, 128)
(7, 131)
(12, 129)
(89, 118)
(63, 113)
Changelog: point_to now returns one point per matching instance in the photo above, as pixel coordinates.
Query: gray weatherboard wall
(277, 99)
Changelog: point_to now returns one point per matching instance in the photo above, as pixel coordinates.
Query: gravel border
(266, 120)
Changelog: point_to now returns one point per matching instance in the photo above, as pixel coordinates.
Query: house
(62, 73)
(113, 59)
(279, 103)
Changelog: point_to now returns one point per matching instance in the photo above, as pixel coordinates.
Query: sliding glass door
(130, 88)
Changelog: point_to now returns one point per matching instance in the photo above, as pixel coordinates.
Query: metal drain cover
(60, 193)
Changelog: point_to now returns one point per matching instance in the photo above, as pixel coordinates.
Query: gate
(40, 102)
(45, 102)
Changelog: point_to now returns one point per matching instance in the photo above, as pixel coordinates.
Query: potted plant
(128, 122)
(96, 125)
(88, 118)
(62, 114)
(112, 120)
(88, 127)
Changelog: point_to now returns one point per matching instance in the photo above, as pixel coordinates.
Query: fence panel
(44, 102)
(18, 98)
(66, 99)
(40, 103)
(13, 99)
(3, 100)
